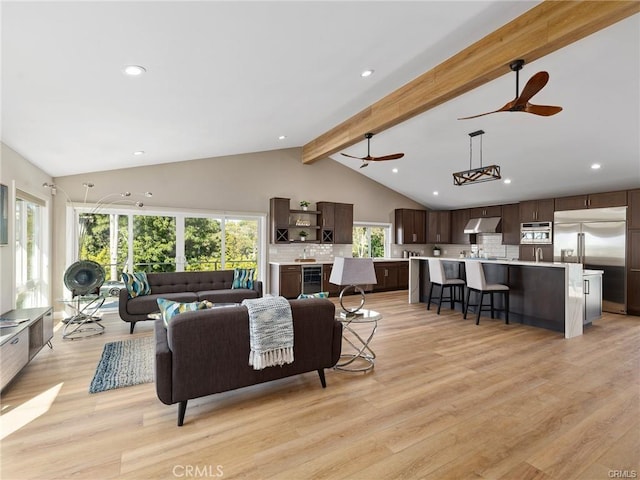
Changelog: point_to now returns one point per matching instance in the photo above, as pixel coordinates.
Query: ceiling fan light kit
(476, 175)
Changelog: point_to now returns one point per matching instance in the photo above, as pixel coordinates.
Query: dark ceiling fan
(521, 102)
(369, 158)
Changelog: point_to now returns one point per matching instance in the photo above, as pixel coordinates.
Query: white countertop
(592, 272)
(500, 261)
(330, 262)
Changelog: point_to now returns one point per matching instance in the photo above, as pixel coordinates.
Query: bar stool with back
(437, 276)
(476, 282)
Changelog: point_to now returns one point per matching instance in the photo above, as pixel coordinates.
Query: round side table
(361, 357)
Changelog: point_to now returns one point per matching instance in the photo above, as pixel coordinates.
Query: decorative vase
(436, 253)
(302, 239)
(305, 208)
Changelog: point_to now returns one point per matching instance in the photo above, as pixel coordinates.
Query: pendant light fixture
(476, 175)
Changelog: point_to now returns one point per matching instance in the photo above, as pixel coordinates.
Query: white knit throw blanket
(270, 331)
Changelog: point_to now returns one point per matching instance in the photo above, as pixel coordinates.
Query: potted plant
(304, 205)
(436, 251)
(303, 235)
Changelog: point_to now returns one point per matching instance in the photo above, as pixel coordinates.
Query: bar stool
(476, 282)
(438, 277)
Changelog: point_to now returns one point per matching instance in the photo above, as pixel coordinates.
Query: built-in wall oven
(311, 278)
(536, 233)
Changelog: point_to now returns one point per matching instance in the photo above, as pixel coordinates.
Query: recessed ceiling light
(137, 153)
(395, 170)
(282, 137)
(595, 166)
(134, 70)
(435, 193)
(507, 181)
(366, 73)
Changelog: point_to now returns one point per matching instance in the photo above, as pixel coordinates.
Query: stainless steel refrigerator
(595, 238)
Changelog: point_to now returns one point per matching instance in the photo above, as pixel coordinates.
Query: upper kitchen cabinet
(279, 213)
(537, 210)
(511, 224)
(633, 213)
(481, 212)
(595, 200)
(336, 222)
(459, 219)
(286, 224)
(411, 226)
(438, 226)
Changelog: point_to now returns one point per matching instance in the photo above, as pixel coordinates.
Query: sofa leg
(182, 409)
(133, 324)
(322, 379)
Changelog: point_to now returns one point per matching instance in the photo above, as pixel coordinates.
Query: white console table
(20, 343)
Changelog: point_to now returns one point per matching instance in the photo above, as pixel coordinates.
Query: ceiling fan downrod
(516, 66)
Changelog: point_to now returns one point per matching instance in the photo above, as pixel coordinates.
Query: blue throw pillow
(136, 283)
(169, 308)
(314, 295)
(243, 278)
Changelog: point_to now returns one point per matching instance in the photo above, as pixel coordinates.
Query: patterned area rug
(124, 363)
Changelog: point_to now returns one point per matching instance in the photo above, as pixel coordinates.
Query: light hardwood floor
(447, 400)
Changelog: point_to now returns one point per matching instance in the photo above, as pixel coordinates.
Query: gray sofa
(207, 351)
(214, 286)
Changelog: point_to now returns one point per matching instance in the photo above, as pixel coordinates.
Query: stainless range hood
(483, 225)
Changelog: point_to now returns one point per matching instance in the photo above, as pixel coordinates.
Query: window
(31, 288)
(371, 240)
(168, 242)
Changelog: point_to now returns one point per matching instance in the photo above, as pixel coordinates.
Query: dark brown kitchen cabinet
(286, 224)
(481, 212)
(403, 276)
(411, 226)
(286, 280)
(595, 200)
(528, 253)
(279, 212)
(438, 226)
(511, 224)
(386, 275)
(459, 219)
(633, 253)
(537, 210)
(334, 290)
(633, 212)
(336, 222)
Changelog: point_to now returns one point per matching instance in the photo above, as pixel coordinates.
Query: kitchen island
(545, 294)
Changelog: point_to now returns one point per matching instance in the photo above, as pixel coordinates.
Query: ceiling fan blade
(351, 156)
(533, 86)
(506, 108)
(394, 156)
(544, 110)
(365, 164)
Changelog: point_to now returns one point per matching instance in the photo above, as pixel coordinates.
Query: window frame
(388, 228)
(74, 212)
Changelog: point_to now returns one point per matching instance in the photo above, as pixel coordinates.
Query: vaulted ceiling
(231, 77)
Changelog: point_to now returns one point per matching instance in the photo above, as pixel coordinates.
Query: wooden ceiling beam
(545, 28)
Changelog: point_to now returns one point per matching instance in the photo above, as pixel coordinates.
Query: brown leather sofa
(207, 351)
(214, 286)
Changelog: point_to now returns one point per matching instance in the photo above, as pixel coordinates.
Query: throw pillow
(169, 308)
(243, 278)
(314, 295)
(136, 283)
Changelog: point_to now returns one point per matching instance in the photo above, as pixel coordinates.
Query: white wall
(18, 173)
(238, 183)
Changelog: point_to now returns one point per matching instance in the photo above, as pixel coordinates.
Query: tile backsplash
(319, 251)
(489, 244)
